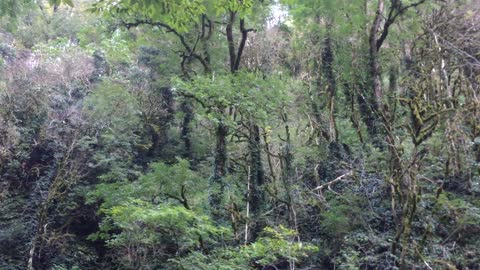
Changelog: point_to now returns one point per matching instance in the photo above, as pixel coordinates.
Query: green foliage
(176, 181)
(145, 224)
(62, 24)
(461, 212)
(340, 219)
(163, 184)
(148, 187)
(178, 14)
(114, 113)
(60, 2)
(254, 95)
(94, 120)
(115, 110)
(115, 46)
(12, 8)
(348, 260)
(348, 135)
(277, 245)
(349, 16)
(147, 232)
(149, 220)
(54, 48)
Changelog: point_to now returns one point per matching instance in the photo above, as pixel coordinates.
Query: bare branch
(338, 179)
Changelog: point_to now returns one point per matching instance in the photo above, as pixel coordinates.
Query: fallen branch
(338, 179)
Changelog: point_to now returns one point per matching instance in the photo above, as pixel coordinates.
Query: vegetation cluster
(239, 134)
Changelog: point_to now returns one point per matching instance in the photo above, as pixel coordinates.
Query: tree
(195, 18)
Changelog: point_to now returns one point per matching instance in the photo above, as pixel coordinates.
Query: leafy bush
(278, 247)
(142, 234)
(149, 218)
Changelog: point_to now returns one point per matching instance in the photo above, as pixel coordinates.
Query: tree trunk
(288, 172)
(187, 110)
(371, 95)
(373, 53)
(327, 66)
(257, 179)
(217, 184)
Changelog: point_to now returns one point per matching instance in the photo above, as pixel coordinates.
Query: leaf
(68, 2)
(54, 2)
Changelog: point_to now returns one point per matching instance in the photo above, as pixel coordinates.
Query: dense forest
(239, 134)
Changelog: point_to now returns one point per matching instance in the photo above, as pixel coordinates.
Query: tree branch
(243, 41)
(181, 38)
(392, 16)
(231, 45)
(328, 184)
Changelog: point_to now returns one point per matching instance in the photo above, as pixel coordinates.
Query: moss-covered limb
(414, 197)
